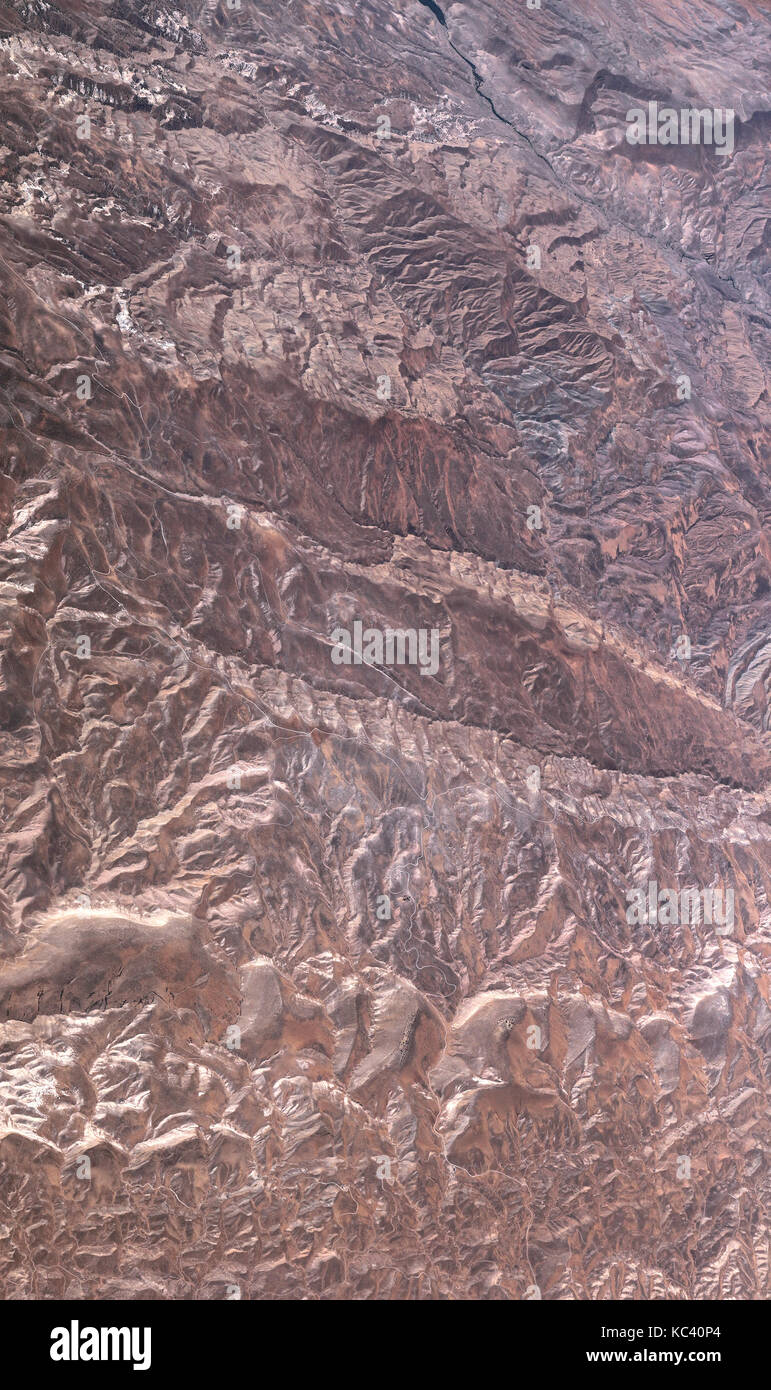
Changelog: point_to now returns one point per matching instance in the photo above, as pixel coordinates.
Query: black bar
(217, 1338)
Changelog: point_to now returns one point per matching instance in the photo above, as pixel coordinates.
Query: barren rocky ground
(318, 980)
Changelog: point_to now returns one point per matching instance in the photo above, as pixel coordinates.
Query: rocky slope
(318, 979)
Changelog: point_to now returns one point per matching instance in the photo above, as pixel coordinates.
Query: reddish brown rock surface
(326, 970)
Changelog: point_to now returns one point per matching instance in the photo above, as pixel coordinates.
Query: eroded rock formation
(318, 977)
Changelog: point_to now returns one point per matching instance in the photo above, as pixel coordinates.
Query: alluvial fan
(385, 678)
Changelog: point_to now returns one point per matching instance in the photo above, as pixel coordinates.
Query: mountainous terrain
(321, 974)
